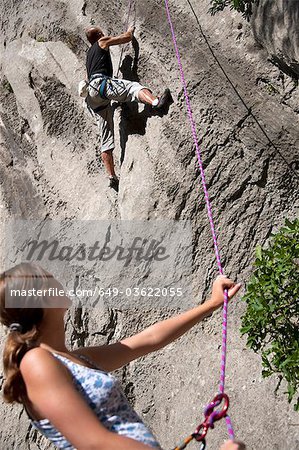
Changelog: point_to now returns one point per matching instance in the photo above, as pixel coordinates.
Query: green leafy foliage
(271, 321)
(242, 6)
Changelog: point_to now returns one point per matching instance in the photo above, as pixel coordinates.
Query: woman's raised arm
(157, 336)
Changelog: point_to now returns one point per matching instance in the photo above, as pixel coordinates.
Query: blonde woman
(70, 395)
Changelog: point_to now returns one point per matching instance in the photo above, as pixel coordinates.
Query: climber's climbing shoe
(114, 183)
(165, 100)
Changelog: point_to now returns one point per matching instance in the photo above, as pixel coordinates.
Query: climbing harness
(211, 415)
(101, 89)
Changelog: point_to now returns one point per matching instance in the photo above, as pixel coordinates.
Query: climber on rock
(102, 88)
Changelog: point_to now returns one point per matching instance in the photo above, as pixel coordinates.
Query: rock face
(247, 118)
(275, 27)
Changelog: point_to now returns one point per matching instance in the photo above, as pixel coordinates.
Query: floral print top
(105, 397)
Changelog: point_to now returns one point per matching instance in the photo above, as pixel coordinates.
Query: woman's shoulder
(39, 363)
(35, 355)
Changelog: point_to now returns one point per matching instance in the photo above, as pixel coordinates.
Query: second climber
(102, 88)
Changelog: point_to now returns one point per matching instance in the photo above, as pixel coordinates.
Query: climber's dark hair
(23, 335)
(93, 34)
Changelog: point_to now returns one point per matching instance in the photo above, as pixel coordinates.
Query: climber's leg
(104, 118)
(106, 125)
(145, 96)
(132, 91)
(107, 158)
(108, 161)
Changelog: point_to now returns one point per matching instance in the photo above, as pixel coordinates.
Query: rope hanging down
(217, 254)
(130, 5)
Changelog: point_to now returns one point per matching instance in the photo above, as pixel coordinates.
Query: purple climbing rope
(131, 2)
(210, 214)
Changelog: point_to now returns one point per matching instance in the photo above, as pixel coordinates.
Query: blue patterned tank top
(104, 395)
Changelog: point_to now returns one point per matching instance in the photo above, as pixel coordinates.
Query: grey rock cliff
(247, 118)
(276, 27)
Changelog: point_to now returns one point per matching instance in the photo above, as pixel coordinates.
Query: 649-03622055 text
(135, 291)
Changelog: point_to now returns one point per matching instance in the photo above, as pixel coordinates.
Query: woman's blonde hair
(22, 314)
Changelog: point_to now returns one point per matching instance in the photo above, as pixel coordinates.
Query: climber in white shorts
(117, 90)
(102, 88)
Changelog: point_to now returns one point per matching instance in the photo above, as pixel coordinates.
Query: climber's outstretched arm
(155, 337)
(107, 41)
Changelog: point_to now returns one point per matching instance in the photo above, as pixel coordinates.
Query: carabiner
(203, 444)
(213, 416)
(199, 435)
